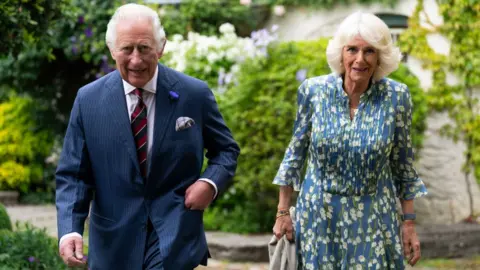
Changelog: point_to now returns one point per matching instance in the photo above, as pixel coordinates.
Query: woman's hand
(283, 225)
(411, 244)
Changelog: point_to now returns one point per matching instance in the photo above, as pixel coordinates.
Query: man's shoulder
(186, 82)
(94, 87)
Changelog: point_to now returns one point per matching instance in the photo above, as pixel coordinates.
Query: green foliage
(206, 16)
(23, 144)
(29, 248)
(331, 3)
(5, 223)
(260, 111)
(23, 22)
(71, 53)
(462, 28)
(39, 196)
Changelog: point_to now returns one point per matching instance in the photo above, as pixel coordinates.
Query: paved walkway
(46, 217)
(39, 216)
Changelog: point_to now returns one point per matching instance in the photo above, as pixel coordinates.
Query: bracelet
(282, 212)
(281, 215)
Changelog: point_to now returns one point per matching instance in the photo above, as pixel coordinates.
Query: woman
(355, 126)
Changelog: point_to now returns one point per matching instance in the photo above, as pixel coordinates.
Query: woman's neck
(355, 88)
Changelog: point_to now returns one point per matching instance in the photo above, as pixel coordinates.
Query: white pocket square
(184, 123)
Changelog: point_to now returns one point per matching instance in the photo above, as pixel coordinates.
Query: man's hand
(199, 195)
(71, 251)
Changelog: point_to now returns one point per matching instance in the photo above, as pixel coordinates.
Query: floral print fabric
(346, 215)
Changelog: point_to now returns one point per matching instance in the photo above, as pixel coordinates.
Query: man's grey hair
(134, 11)
(375, 32)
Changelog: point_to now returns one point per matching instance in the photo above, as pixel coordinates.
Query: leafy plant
(331, 3)
(23, 22)
(23, 145)
(5, 223)
(216, 59)
(206, 16)
(29, 248)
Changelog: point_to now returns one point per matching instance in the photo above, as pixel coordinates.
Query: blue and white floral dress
(346, 214)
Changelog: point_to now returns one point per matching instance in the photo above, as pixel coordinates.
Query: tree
(71, 53)
(26, 21)
(462, 28)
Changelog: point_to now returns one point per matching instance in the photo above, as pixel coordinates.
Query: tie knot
(138, 92)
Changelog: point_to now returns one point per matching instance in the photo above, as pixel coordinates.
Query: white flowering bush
(216, 59)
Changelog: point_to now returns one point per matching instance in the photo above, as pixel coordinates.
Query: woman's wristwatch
(408, 217)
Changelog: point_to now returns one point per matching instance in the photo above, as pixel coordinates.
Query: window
(397, 24)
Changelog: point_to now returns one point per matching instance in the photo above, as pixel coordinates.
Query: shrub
(216, 59)
(29, 248)
(5, 223)
(23, 145)
(260, 111)
(205, 16)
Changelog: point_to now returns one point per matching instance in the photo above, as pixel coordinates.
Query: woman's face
(360, 60)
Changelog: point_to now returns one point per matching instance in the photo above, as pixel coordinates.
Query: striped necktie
(139, 129)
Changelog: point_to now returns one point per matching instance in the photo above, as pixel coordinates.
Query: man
(134, 150)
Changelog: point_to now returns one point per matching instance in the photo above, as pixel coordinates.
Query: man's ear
(160, 52)
(112, 52)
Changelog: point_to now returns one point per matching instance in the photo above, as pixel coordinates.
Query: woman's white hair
(134, 11)
(375, 32)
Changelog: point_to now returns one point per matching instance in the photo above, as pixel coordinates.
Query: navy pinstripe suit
(98, 165)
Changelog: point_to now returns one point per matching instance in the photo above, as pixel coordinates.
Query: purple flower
(301, 75)
(221, 77)
(73, 39)
(228, 78)
(74, 49)
(264, 51)
(104, 58)
(80, 19)
(88, 32)
(173, 95)
(31, 259)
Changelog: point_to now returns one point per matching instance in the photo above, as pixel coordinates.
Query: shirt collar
(151, 85)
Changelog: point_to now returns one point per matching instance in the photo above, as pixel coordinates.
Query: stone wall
(439, 164)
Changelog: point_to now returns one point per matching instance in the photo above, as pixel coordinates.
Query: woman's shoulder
(320, 83)
(392, 86)
(397, 91)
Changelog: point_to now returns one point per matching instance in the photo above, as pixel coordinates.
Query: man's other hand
(199, 195)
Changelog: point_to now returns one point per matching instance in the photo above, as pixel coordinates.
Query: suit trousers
(152, 260)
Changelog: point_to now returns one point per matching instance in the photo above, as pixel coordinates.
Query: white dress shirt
(148, 96)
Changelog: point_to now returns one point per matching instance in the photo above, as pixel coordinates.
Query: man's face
(135, 51)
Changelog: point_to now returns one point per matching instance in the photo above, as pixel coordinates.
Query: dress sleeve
(407, 182)
(289, 173)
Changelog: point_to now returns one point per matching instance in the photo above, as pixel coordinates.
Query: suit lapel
(117, 108)
(164, 106)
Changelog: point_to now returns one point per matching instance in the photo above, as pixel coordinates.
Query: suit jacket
(98, 167)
